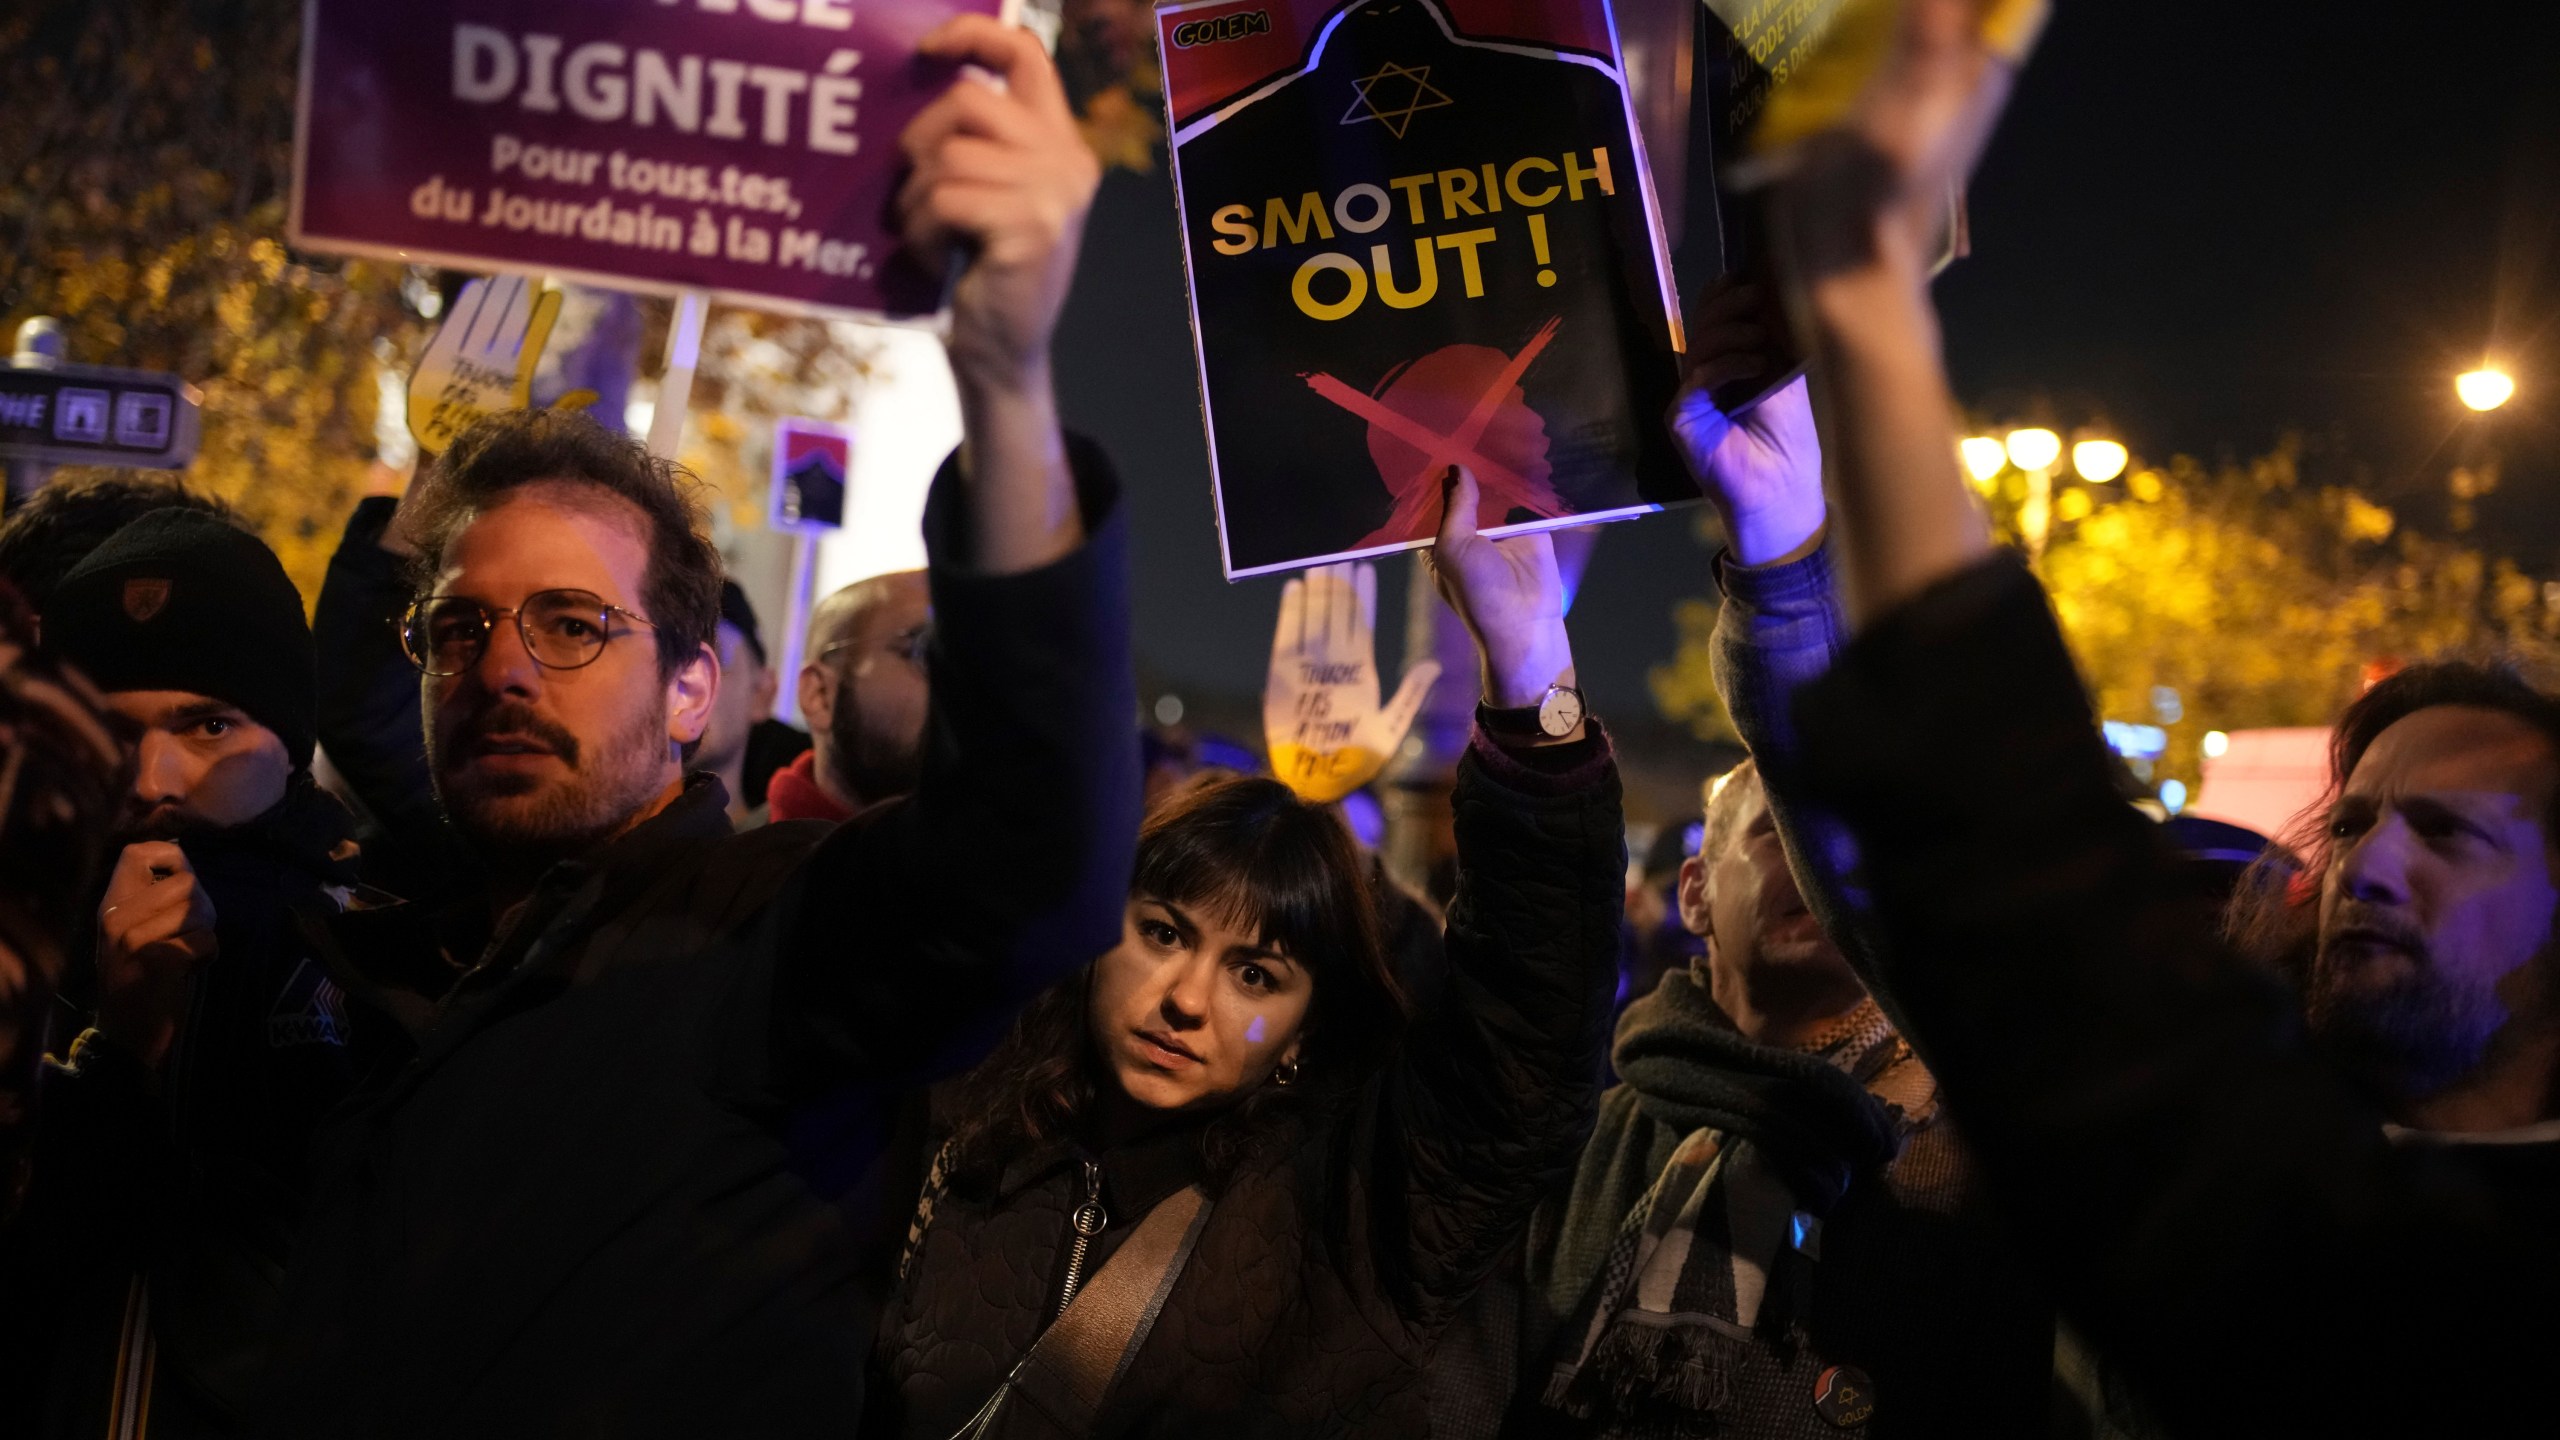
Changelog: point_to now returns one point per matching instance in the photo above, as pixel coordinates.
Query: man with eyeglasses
(591, 1188)
(863, 691)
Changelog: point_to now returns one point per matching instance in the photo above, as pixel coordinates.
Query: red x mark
(1441, 451)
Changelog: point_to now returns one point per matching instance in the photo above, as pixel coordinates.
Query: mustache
(2360, 923)
(166, 821)
(514, 717)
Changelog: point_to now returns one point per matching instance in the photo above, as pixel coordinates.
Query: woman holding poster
(1237, 1170)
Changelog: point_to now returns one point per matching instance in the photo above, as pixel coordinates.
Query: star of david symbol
(1406, 89)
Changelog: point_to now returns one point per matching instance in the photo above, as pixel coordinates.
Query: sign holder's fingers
(487, 318)
(506, 342)
(1397, 718)
(1290, 637)
(1335, 581)
(537, 327)
(1365, 577)
(458, 322)
(537, 333)
(1011, 52)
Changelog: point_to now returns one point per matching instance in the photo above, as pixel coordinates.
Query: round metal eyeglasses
(562, 629)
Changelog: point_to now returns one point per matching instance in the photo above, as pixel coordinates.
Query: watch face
(1560, 712)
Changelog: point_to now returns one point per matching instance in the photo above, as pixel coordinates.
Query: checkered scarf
(1719, 1252)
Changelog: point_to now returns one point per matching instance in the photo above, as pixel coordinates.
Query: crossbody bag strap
(1078, 1362)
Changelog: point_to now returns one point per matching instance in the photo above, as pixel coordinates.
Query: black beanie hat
(180, 600)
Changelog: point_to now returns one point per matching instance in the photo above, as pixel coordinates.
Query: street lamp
(2033, 450)
(1984, 458)
(2486, 388)
(2099, 461)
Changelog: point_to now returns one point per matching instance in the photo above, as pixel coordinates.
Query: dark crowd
(461, 1014)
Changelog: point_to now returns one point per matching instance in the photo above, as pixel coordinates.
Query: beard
(871, 767)
(2408, 1034)
(538, 819)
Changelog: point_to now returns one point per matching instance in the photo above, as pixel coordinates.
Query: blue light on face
(1253, 1032)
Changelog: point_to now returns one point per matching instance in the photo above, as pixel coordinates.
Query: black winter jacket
(194, 1180)
(368, 715)
(2218, 1212)
(579, 1203)
(1331, 1261)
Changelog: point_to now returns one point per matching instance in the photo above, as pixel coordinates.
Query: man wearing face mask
(169, 1172)
(863, 691)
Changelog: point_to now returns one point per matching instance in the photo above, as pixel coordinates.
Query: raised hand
(1852, 217)
(1002, 176)
(1761, 469)
(1321, 719)
(1920, 122)
(482, 358)
(1001, 184)
(1510, 595)
(155, 926)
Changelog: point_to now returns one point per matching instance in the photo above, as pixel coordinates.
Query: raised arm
(2156, 1128)
(1781, 625)
(368, 708)
(1494, 1090)
(920, 927)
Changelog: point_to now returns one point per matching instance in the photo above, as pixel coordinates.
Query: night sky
(2202, 226)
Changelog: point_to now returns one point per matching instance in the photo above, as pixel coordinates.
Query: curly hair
(513, 449)
(1247, 848)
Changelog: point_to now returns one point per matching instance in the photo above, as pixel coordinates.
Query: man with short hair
(862, 689)
(746, 698)
(571, 1202)
(170, 1172)
(1773, 1231)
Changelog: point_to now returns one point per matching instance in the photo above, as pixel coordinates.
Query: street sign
(93, 415)
(811, 462)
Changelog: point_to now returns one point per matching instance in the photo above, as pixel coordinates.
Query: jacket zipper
(1089, 1220)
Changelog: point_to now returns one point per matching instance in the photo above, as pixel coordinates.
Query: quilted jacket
(1331, 1261)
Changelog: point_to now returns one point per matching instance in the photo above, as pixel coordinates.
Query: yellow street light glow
(2099, 461)
(2486, 388)
(1983, 457)
(2034, 449)
(2216, 744)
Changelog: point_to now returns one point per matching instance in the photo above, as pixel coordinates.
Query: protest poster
(746, 149)
(1417, 232)
(1759, 77)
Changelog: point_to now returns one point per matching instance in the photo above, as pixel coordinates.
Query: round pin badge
(1844, 1396)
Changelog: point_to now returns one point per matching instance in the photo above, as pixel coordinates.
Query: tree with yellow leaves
(2253, 596)
(145, 158)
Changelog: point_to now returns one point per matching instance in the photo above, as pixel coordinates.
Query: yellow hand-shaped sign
(482, 358)
(1321, 719)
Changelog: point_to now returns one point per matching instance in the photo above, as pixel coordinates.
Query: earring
(1286, 1075)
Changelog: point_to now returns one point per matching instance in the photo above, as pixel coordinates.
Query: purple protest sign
(747, 148)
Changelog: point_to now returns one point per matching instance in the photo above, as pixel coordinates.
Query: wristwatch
(1552, 718)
